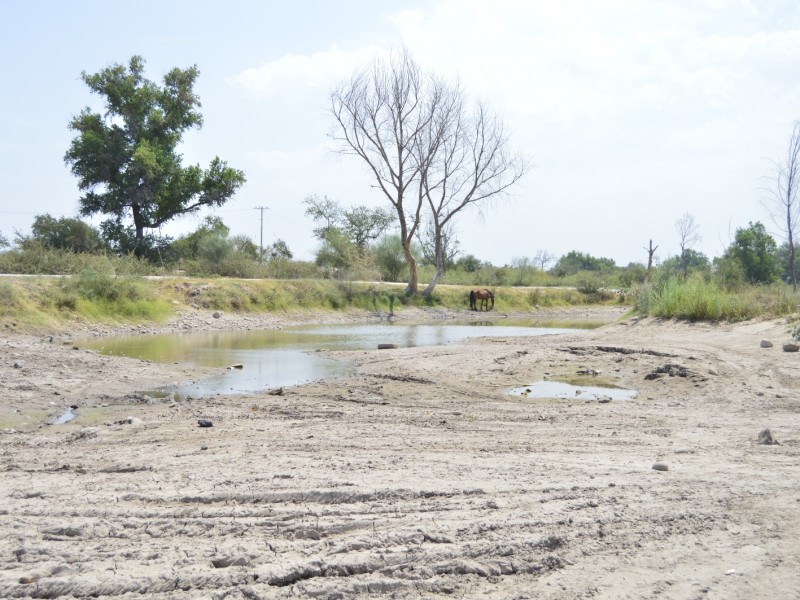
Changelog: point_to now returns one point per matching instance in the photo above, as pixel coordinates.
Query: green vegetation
(127, 160)
(700, 300)
(101, 295)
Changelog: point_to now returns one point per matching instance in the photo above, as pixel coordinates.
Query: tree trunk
(138, 249)
(411, 288)
(440, 262)
(434, 281)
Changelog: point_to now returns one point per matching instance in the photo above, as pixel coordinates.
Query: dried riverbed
(416, 477)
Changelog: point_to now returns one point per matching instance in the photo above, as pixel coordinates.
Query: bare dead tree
(381, 113)
(784, 204)
(543, 258)
(688, 237)
(651, 252)
(465, 161)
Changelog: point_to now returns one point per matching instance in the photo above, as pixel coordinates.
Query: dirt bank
(419, 476)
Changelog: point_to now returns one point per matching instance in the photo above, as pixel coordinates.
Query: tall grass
(103, 295)
(38, 260)
(700, 300)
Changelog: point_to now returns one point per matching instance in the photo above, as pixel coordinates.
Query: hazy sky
(632, 112)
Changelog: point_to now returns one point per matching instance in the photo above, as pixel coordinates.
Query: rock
(276, 392)
(765, 438)
(133, 421)
(204, 423)
(387, 346)
(659, 466)
(604, 399)
(217, 314)
(790, 347)
(766, 344)
(307, 534)
(712, 371)
(17, 365)
(236, 366)
(232, 561)
(669, 369)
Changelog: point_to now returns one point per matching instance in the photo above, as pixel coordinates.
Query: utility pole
(262, 209)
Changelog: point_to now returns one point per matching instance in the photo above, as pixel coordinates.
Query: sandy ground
(417, 477)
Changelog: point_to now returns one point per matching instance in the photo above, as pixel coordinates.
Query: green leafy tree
(363, 225)
(245, 247)
(783, 255)
(279, 250)
(574, 262)
(756, 251)
(187, 246)
(326, 212)
(337, 252)
(728, 272)
(360, 224)
(126, 159)
(690, 261)
(122, 241)
(3, 240)
(64, 234)
(469, 263)
(390, 257)
(633, 274)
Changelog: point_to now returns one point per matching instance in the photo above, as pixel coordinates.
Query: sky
(632, 113)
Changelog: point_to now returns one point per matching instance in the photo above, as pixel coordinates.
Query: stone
(765, 438)
(659, 466)
(766, 344)
(217, 314)
(790, 347)
(17, 365)
(204, 423)
(232, 561)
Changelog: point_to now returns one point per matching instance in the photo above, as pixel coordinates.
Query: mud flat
(419, 476)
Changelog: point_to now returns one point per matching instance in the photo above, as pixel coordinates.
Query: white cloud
(320, 70)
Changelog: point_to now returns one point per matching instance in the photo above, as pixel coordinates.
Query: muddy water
(275, 358)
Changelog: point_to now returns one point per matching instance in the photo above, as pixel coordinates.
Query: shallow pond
(557, 389)
(275, 358)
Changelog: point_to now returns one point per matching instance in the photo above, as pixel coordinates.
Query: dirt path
(419, 476)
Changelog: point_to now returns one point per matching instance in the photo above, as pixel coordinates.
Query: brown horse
(484, 296)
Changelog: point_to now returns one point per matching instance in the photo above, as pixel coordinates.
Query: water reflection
(274, 358)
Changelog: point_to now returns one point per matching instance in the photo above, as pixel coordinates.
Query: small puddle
(556, 389)
(65, 417)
